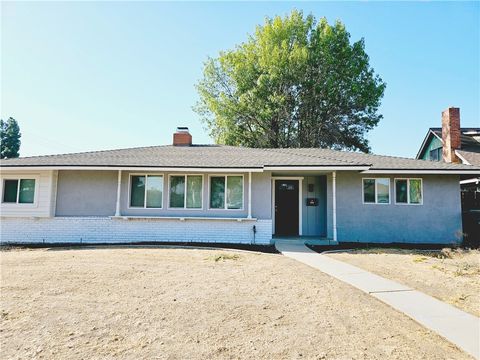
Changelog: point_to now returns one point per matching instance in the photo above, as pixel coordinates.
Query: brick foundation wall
(91, 230)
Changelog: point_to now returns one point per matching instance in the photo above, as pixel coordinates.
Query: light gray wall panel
(86, 193)
(438, 220)
(262, 195)
(261, 199)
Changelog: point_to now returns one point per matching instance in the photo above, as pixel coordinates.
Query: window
(18, 191)
(408, 191)
(146, 191)
(376, 191)
(186, 191)
(226, 192)
(436, 154)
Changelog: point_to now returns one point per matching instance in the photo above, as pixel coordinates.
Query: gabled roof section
(427, 139)
(470, 138)
(230, 157)
(470, 143)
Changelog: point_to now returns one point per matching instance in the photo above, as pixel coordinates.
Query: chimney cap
(182, 129)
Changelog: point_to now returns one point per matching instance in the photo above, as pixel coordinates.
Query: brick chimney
(182, 137)
(451, 134)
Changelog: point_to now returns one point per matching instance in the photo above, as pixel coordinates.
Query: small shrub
(224, 257)
(419, 259)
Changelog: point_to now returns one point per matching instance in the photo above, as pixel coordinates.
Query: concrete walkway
(457, 326)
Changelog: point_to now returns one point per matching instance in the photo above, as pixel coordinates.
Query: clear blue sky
(101, 75)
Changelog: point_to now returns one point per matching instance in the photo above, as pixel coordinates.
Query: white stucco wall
(44, 198)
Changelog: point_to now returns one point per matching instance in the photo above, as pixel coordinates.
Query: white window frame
(185, 197)
(18, 178)
(145, 197)
(376, 191)
(408, 191)
(225, 208)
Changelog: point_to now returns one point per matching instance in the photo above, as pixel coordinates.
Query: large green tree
(9, 138)
(293, 83)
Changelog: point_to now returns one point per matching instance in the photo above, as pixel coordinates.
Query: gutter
(314, 167)
(424, 171)
(130, 168)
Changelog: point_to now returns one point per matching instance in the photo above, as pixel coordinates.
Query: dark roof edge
(136, 166)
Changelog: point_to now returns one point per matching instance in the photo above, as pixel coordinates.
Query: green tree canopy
(9, 138)
(293, 83)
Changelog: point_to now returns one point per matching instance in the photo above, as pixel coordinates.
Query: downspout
(334, 205)
(119, 189)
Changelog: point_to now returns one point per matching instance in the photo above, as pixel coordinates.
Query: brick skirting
(91, 230)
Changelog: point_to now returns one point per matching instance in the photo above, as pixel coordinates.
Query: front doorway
(286, 207)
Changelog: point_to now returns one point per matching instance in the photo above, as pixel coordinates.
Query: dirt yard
(452, 276)
(153, 303)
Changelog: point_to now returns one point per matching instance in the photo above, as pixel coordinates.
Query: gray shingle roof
(469, 138)
(472, 157)
(217, 156)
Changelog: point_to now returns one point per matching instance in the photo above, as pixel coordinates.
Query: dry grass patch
(451, 275)
(224, 257)
(134, 303)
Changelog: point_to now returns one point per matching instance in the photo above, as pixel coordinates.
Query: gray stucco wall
(94, 193)
(86, 193)
(261, 203)
(438, 220)
(262, 195)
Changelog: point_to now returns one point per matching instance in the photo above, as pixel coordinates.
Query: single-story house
(211, 193)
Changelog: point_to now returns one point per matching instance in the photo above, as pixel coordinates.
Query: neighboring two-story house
(453, 144)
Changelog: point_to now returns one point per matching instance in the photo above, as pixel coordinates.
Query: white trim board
(426, 172)
(470, 181)
(316, 168)
(181, 218)
(287, 177)
(465, 161)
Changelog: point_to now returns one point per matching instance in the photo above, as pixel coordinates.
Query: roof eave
(130, 168)
(424, 171)
(316, 167)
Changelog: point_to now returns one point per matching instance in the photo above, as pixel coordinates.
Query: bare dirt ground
(152, 303)
(452, 276)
